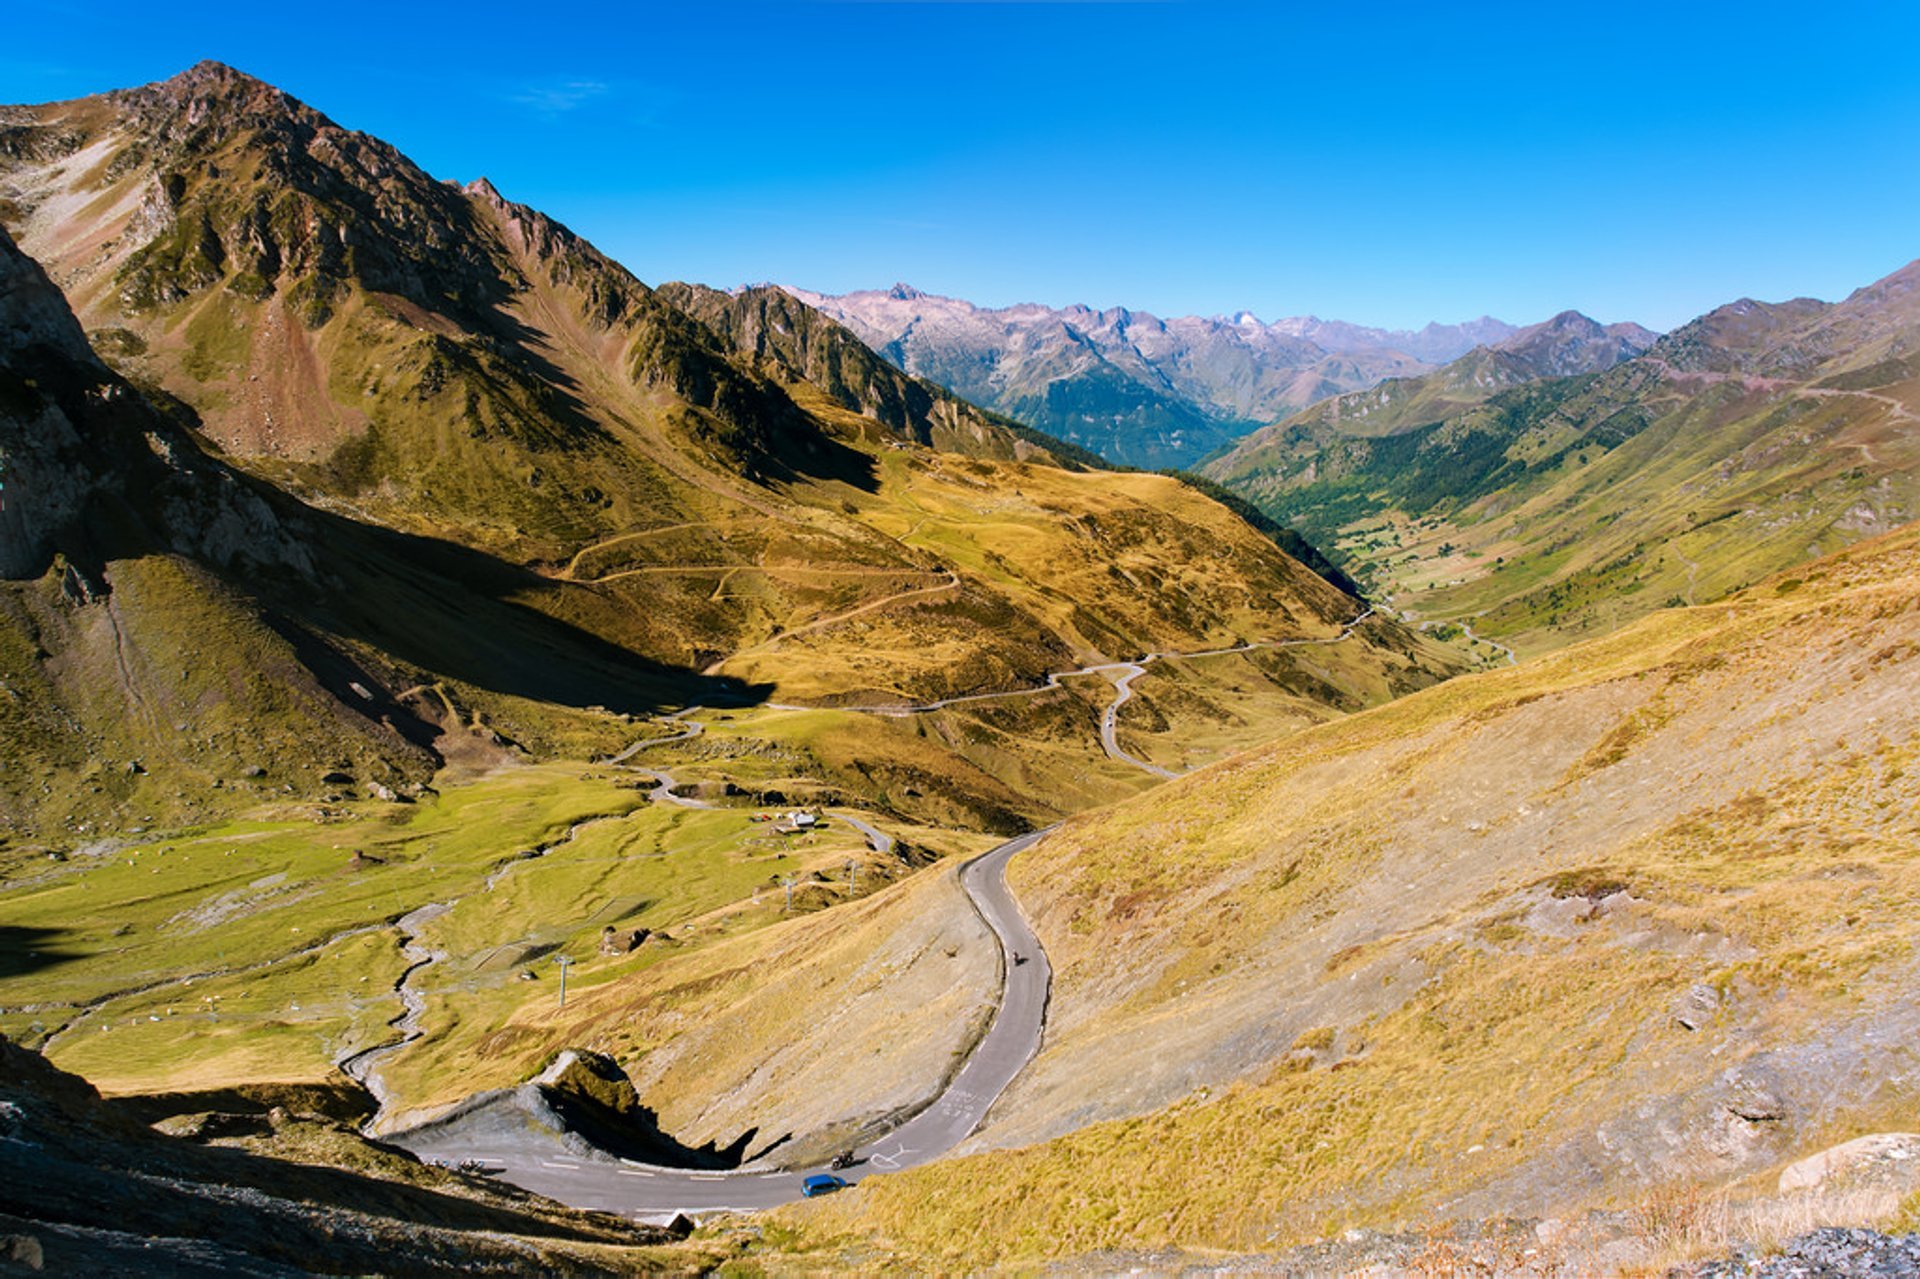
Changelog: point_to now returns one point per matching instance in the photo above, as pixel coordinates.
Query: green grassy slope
(1752, 439)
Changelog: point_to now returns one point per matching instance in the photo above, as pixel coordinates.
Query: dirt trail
(1899, 407)
(1693, 572)
(1053, 678)
(572, 571)
(771, 570)
(1513, 658)
(951, 584)
(1121, 674)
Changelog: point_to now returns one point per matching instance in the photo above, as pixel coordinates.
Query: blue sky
(1386, 164)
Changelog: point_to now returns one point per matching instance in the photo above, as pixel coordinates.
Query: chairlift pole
(564, 963)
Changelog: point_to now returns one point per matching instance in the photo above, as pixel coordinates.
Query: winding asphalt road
(606, 1184)
(1121, 674)
(1110, 721)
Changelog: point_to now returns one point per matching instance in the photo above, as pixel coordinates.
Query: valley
(510, 768)
(1134, 388)
(537, 744)
(1564, 506)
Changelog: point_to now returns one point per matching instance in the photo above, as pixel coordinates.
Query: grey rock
(1700, 1005)
(1830, 1253)
(22, 1250)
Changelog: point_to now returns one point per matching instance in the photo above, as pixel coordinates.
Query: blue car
(821, 1184)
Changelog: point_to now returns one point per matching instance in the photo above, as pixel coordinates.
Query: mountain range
(488, 418)
(1574, 478)
(1128, 385)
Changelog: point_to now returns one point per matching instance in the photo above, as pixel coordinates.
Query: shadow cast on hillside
(25, 950)
(458, 613)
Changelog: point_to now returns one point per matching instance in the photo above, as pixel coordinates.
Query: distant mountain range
(1568, 345)
(1149, 392)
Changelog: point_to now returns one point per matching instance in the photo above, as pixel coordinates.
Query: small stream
(363, 1067)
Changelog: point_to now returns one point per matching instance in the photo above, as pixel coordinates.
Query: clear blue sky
(1382, 163)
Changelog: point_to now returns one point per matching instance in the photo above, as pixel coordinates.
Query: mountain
(1568, 492)
(403, 608)
(1551, 950)
(526, 452)
(177, 637)
(1129, 385)
(801, 346)
(1432, 344)
(323, 303)
(1567, 345)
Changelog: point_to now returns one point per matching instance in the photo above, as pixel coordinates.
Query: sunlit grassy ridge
(1435, 957)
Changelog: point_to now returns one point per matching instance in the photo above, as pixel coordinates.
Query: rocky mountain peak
(214, 97)
(1571, 322)
(213, 79)
(905, 293)
(1571, 343)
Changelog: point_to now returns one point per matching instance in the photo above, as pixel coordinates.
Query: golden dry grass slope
(1639, 912)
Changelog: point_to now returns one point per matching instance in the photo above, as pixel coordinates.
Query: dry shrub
(1680, 1219)
(1682, 1222)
